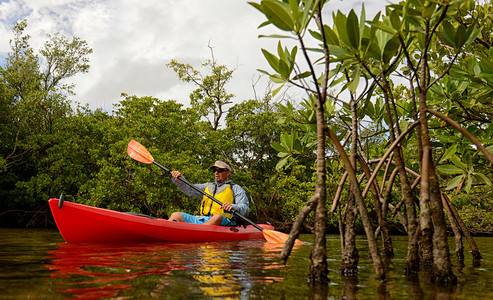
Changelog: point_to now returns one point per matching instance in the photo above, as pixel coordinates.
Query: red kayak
(86, 224)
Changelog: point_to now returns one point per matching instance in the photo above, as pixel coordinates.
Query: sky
(133, 40)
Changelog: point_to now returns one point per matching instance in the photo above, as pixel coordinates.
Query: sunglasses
(219, 170)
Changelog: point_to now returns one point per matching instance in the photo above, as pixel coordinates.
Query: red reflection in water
(94, 271)
(96, 265)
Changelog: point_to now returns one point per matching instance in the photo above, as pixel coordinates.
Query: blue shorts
(188, 218)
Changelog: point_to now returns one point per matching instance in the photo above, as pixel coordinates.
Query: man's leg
(176, 216)
(215, 220)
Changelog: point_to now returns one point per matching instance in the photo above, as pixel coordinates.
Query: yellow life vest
(223, 194)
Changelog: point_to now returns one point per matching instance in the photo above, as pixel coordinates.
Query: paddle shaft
(209, 196)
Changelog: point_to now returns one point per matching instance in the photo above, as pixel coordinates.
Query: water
(38, 264)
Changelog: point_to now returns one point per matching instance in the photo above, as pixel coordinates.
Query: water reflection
(98, 270)
(213, 270)
(414, 288)
(208, 269)
(349, 287)
(35, 265)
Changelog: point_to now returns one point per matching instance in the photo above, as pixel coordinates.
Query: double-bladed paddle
(140, 153)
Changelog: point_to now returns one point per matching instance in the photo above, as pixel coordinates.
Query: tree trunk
(441, 255)
(425, 224)
(350, 256)
(388, 250)
(459, 247)
(474, 248)
(412, 261)
(423, 234)
(430, 200)
(355, 189)
(295, 229)
(318, 267)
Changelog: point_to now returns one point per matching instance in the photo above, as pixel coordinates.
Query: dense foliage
(51, 145)
(417, 74)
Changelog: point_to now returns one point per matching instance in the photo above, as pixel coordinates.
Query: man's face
(221, 175)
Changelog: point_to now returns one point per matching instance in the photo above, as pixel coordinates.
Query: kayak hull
(80, 223)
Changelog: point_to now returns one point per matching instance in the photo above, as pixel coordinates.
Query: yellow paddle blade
(139, 153)
(277, 237)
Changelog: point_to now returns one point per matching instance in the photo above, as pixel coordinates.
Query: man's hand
(176, 174)
(227, 206)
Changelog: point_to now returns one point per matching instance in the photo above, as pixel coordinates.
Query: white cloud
(132, 41)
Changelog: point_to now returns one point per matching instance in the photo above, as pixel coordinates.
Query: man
(232, 196)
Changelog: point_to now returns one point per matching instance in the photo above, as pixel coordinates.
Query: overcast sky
(133, 40)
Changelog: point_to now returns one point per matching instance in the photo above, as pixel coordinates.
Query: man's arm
(188, 190)
(242, 203)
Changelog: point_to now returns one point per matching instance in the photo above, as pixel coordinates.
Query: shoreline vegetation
(478, 222)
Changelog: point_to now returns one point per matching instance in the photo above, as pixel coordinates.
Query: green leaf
(382, 27)
(480, 177)
(449, 153)
(391, 49)
(468, 183)
(278, 14)
(472, 33)
(340, 26)
(284, 69)
(282, 162)
(274, 93)
(302, 75)
(428, 10)
(449, 169)
(315, 34)
(271, 59)
(460, 36)
(373, 49)
(486, 66)
(395, 20)
(353, 84)
(446, 138)
(362, 24)
(294, 9)
(256, 5)
(281, 53)
(294, 51)
(286, 140)
(277, 36)
(278, 147)
(339, 52)
(456, 161)
(452, 184)
(330, 36)
(263, 24)
(263, 72)
(352, 27)
(306, 16)
(277, 78)
(447, 34)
